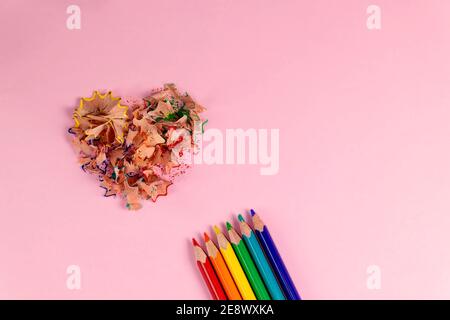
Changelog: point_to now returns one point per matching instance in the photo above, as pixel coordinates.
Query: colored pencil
(247, 264)
(207, 272)
(269, 247)
(260, 260)
(233, 265)
(221, 269)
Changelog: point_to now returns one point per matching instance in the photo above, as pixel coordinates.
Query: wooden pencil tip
(229, 226)
(217, 230)
(206, 237)
(241, 218)
(252, 212)
(194, 242)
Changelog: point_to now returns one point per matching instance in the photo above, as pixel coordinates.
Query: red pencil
(208, 274)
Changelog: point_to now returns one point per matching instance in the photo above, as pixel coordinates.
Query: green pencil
(247, 264)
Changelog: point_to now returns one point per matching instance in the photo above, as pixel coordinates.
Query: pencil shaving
(136, 147)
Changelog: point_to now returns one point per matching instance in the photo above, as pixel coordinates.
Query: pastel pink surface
(364, 128)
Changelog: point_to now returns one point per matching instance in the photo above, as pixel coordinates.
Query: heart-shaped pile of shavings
(136, 147)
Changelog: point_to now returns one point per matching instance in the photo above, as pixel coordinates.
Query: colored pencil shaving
(136, 147)
(274, 257)
(233, 265)
(207, 272)
(221, 270)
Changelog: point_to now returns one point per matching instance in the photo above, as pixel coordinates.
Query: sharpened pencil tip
(252, 212)
(194, 242)
(229, 226)
(241, 218)
(217, 230)
(206, 237)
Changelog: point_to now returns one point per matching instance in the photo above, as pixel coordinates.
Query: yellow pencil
(234, 266)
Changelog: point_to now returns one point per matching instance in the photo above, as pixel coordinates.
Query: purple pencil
(271, 251)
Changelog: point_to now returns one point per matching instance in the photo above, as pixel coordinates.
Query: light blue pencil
(260, 260)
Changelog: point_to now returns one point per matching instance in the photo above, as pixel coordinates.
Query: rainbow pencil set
(246, 266)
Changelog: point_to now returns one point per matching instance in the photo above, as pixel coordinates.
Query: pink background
(364, 120)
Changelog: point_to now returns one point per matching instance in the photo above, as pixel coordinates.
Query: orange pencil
(221, 269)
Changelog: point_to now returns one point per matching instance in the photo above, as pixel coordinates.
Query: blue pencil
(260, 260)
(272, 254)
